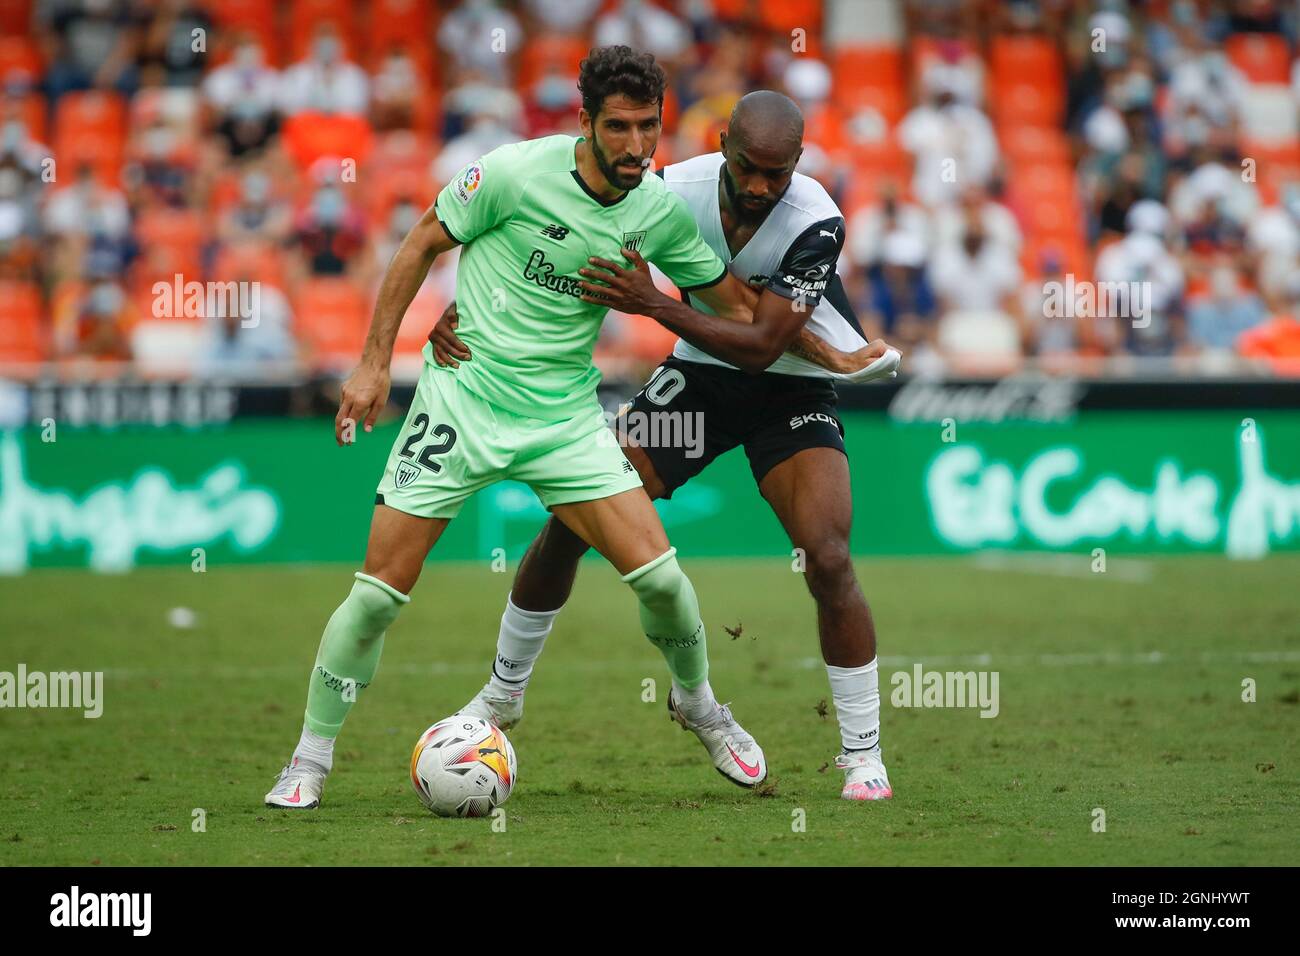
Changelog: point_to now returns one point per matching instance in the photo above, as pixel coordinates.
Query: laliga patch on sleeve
(467, 182)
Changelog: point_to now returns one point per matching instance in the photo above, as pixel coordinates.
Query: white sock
(519, 643)
(315, 750)
(856, 693)
(696, 703)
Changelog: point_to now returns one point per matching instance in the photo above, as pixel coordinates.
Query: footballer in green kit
(529, 216)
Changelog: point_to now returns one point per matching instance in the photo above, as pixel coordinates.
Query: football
(463, 767)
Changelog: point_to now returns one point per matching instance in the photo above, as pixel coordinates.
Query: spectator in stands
(952, 144)
(257, 216)
(1152, 325)
(170, 43)
(977, 281)
(477, 35)
(493, 122)
(94, 321)
(161, 168)
(974, 205)
(324, 81)
(90, 44)
(329, 234)
(1216, 319)
(474, 95)
(551, 105)
(395, 91)
(644, 26)
(561, 16)
(1051, 327)
(87, 217)
(247, 344)
(244, 95)
(900, 305)
(869, 227)
(1274, 239)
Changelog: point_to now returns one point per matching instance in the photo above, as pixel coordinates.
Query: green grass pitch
(1120, 691)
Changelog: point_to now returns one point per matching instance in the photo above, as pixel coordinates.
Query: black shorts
(773, 416)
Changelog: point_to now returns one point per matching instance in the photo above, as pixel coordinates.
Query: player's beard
(745, 207)
(611, 172)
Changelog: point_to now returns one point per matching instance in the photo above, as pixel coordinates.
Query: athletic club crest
(634, 240)
(406, 473)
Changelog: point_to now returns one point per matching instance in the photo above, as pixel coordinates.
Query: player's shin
(519, 644)
(856, 694)
(349, 653)
(670, 617)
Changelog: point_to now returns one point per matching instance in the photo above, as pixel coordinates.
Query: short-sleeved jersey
(528, 223)
(793, 253)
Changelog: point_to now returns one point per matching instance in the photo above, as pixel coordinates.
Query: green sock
(670, 617)
(349, 652)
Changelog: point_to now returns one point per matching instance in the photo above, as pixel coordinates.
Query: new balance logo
(555, 232)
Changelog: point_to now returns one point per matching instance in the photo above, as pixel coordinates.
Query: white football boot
(736, 755)
(864, 775)
(299, 788)
(504, 710)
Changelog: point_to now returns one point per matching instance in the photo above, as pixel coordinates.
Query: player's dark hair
(611, 70)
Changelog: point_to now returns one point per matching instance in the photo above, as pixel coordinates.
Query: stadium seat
(16, 17)
(1027, 58)
(31, 110)
(90, 127)
(309, 137)
(256, 17)
(871, 76)
(1026, 103)
(566, 51)
(255, 261)
(19, 54)
(305, 16)
(25, 337)
(1268, 112)
(171, 244)
(330, 318)
(424, 312)
(783, 16)
(1031, 145)
(1260, 57)
(404, 23)
(167, 348)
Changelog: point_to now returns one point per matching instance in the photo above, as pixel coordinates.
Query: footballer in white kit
(754, 387)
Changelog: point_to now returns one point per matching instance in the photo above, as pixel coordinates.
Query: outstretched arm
(366, 390)
(750, 333)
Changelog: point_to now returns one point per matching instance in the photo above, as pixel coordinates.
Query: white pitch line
(1054, 564)
(1109, 658)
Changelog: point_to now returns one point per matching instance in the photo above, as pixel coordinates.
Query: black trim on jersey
(660, 171)
(379, 499)
(683, 289)
(839, 300)
(447, 230)
(587, 189)
(809, 262)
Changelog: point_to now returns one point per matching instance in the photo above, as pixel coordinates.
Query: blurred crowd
(1007, 168)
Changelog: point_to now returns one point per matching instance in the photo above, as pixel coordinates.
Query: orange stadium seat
(873, 74)
(90, 127)
(1028, 58)
(405, 23)
(1025, 145)
(304, 16)
(568, 52)
(424, 312)
(257, 17)
(25, 336)
(783, 16)
(254, 261)
(1261, 57)
(15, 17)
(330, 315)
(1027, 103)
(171, 243)
(19, 54)
(31, 110)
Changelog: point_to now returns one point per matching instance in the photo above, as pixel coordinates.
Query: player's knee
(828, 568)
(376, 602)
(659, 582)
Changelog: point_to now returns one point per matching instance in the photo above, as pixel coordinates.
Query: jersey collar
(582, 183)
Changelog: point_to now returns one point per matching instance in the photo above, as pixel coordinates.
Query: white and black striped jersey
(793, 252)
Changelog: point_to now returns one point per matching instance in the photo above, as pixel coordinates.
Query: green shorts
(455, 443)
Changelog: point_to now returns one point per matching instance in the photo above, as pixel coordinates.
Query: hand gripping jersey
(793, 253)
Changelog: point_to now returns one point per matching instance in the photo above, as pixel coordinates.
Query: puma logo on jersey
(830, 234)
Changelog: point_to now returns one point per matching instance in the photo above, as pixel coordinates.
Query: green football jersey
(528, 223)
